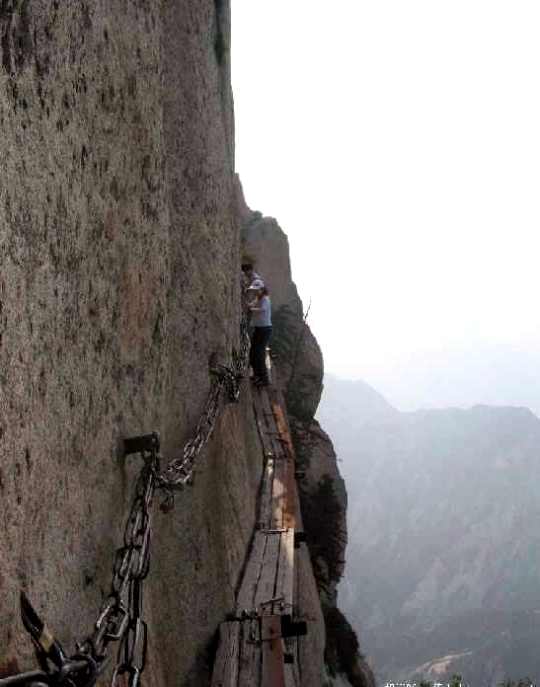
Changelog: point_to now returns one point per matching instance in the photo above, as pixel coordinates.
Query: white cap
(256, 284)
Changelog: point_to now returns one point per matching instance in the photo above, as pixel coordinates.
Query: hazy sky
(398, 145)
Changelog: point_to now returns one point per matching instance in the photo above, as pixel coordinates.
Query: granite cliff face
(120, 246)
(323, 497)
(119, 251)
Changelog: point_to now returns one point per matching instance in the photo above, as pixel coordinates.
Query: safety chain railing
(179, 471)
(120, 619)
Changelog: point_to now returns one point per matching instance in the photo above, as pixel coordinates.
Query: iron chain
(180, 471)
(120, 618)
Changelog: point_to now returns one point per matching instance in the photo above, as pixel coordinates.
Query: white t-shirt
(262, 317)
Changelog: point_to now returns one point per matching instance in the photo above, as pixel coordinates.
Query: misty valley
(442, 563)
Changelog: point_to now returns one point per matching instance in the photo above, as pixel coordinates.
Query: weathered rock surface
(119, 253)
(119, 249)
(322, 490)
(324, 506)
(296, 350)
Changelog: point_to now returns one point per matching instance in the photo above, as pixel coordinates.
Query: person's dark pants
(259, 340)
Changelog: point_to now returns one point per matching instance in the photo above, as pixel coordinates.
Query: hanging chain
(180, 471)
(120, 619)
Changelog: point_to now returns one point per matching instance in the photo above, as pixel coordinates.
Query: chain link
(179, 472)
(120, 618)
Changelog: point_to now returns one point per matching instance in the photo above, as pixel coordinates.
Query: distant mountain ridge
(442, 561)
(495, 374)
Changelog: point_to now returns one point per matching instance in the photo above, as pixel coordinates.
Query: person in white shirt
(250, 276)
(261, 321)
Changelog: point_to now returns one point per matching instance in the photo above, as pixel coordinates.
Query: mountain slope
(443, 536)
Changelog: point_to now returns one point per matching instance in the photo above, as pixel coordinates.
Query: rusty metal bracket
(290, 628)
(142, 444)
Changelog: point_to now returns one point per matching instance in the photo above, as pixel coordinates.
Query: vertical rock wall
(322, 490)
(119, 257)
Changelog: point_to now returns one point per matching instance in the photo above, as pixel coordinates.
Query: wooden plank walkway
(252, 650)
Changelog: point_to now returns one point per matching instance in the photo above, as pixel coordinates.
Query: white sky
(397, 142)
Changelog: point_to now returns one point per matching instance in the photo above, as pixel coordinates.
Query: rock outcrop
(119, 253)
(322, 490)
(295, 348)
(120, 248)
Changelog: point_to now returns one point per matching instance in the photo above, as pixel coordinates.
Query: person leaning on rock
(252, 295)
(261, 321)
(250, 275)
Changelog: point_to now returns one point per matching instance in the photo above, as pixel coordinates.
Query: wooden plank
(268, 447)
(291, 505)
(277, 447)
(283, 425)
(296, 665)
(290, 678)
(267, 408)
(268, 363)
(260, 397)
(285, 575)
(245, 600)
(278, 494)
(282, 428)
(225, 672)
(250, 664)
(273, 674)
(261, 421)
(290, 646)
(265, 496)
(271, 435)
(296, 641)
(273, 432)
(251, 651)
(266, 586)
